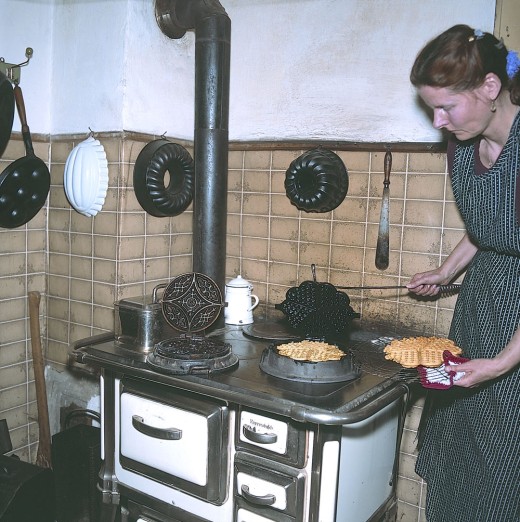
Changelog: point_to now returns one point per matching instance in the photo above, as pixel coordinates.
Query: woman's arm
(426, 283)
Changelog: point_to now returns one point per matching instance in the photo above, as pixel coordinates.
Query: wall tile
(258, 159)
(423, 162)
(282, 159)
(256, 181)
(13, 308)
(236, 159)
(255, 226)
(348, 234)
(283, 251)
(13, 351)
(344, 258)
(283, 274)
(312, 253)
(281, 206)
(277, 183)
(284, 228)
(352, 209)
(355, 161)
(256, 204)
(422, 239)
(423, 213)
(425, 186)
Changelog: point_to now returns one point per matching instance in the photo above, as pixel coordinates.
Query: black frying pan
(6, 111)
(25, 183)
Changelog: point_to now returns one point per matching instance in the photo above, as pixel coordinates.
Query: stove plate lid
(191, 302)
(187, 355)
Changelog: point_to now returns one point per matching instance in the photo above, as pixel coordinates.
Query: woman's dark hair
(460, 58)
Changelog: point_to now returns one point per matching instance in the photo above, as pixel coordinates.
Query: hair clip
(500, 44)
(477, 34)
(512, 63)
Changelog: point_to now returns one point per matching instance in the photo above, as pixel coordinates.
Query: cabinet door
(165, 438)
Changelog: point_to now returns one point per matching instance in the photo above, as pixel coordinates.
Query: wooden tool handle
(26, 134)
(43, 456)
(20, 105)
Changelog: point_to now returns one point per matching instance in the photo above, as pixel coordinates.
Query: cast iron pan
(317, 181)
(6, 111)
(158, 197)
(289, 369)
(25, 183)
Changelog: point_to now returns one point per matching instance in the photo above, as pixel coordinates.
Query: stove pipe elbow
(212, 72)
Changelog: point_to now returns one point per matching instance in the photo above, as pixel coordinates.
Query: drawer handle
(157, 433)
(260, 438)
(264, 500)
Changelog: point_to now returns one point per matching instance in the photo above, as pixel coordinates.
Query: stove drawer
(174, 438)
(272, 437)
(277, 489)
(245, 514)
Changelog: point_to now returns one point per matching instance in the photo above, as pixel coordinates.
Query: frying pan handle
(20, 106)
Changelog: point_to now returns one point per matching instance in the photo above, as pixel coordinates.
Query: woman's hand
(427, 283)
(477, 371)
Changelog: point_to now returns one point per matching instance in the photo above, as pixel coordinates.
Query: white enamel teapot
(240, 302)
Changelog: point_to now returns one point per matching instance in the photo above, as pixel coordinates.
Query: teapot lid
(239, 282)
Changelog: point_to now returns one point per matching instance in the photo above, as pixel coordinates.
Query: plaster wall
(300, 69)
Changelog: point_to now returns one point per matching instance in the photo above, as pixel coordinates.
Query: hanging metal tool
(383, 240)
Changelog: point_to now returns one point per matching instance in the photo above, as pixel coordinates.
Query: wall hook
(11, 70)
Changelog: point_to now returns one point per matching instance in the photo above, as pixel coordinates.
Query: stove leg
(108, 513)
(108, 484)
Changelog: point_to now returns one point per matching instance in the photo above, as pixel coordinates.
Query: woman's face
(466, 114)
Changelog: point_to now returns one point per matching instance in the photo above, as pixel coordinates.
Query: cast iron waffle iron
(191, 303)
(318, 311)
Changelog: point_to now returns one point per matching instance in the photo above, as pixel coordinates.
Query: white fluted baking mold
(86, 177)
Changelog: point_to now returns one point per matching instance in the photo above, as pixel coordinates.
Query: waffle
(411, 352)
(313, 351)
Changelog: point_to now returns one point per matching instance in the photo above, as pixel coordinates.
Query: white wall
(300, 69)
(23, 24)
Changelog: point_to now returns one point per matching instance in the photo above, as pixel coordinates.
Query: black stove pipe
(212, 64)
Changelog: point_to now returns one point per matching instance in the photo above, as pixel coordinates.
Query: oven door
(175, 438)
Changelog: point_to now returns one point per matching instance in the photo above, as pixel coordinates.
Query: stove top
(246, 384)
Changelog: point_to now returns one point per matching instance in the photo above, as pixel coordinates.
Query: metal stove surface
(248, 385)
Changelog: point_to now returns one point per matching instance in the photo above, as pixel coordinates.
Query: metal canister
(140, 323)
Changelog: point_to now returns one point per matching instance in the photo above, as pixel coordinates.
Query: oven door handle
(152, 431)
(264, 500)
(260, 438)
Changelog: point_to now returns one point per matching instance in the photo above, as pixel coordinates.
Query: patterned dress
(470, 457)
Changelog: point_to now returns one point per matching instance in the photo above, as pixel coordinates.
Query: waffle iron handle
(260, 438)
(156, 433)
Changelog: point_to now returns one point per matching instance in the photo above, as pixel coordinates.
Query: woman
(470, 451)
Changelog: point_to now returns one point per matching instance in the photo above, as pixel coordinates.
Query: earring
(493, 106)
